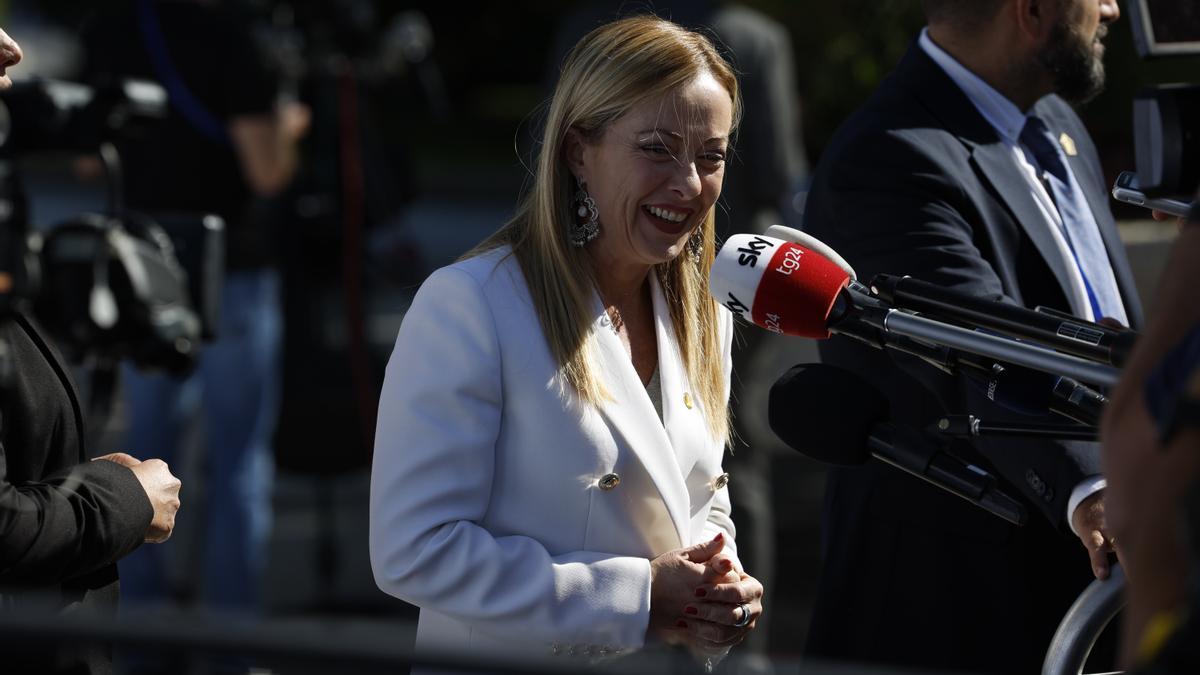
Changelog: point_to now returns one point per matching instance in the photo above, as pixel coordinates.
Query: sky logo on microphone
(791, 293)
(736, 306)
(749, 252)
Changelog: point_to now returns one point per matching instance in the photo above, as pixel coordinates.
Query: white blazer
(516, 517)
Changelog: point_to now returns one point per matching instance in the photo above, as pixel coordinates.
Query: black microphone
(835, 417)
(1036, 394)
(1027, 392)
(1077, 401)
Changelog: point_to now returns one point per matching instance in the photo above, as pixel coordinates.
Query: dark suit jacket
(918, 183)
(64, 521)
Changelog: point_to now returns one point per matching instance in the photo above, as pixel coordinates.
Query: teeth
(666, 215)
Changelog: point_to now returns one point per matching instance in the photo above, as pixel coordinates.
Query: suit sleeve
(892, 204)
(70, 523)
(440, 414)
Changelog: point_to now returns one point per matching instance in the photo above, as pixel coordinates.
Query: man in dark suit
(968, 169)
(64, 521)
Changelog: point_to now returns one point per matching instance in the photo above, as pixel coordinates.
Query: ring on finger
(744, 619)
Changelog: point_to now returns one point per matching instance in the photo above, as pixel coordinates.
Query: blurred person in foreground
(228, 143)
(64, 521)
(1151, 453)
(547, 475)
(969, 169)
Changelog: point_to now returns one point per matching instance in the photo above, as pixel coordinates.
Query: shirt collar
(1001, 113)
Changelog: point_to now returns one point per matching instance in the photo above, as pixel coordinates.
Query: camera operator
(228, 144)
(64, 521)
(1151, 455)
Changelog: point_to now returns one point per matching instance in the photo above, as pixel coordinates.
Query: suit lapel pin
(1068, 144)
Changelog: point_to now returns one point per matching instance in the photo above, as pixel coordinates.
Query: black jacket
(64, 521)
(918, 183)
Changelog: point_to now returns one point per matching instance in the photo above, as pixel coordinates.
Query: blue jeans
(237, 381)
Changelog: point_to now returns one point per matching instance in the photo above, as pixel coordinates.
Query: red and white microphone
(779, 285)
(788, 288)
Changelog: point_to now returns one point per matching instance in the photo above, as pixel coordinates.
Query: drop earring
(586, 225)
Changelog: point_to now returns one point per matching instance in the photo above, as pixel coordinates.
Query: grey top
(654, 389)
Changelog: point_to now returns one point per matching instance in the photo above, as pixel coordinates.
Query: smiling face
(655, 172)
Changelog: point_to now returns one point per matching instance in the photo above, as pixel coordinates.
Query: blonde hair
(611, 70)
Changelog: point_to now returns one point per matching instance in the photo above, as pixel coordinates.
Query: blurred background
(423, 119)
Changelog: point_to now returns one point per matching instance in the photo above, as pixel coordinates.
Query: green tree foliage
(843, 49)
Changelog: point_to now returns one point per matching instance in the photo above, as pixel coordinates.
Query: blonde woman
(547, 474)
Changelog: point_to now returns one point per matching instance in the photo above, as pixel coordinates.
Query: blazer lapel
(60, 368)
(682, 416)
(632, 417)
(990, 156)
(995, 162)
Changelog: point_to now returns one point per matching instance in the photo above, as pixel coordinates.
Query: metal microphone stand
(1063, 332)
(877, 313)
(970, 426)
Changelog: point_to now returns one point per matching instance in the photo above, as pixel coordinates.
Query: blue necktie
(1079, 224)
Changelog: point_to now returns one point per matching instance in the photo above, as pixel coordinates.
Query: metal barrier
(1082, 624)
(337, 645)
(323, 646)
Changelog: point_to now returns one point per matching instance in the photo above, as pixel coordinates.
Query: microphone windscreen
(812, 243)
(825, 413)
(778, 285)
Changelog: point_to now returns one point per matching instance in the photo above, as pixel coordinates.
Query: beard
(1075, 62)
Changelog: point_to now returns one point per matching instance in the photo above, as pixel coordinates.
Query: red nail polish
(681, 624)
(719, 537)
(690, 610)
(700, 592)
(726, 565)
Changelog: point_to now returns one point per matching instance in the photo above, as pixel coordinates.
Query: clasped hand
(162, 489)
(699, 596)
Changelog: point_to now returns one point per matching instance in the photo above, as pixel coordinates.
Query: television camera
(113, 285)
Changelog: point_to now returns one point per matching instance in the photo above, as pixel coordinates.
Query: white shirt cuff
(1086, 488)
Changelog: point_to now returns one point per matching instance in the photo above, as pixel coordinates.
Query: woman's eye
(714, 157)
(656, 149)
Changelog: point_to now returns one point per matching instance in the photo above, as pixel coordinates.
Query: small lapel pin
(1068, 144)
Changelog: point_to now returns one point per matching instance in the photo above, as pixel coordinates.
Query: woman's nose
(687, 182)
